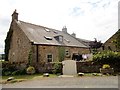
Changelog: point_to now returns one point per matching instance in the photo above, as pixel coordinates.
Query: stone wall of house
(109, 44)
(20, 45)
(43, 51)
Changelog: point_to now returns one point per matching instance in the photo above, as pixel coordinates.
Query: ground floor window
(67, 53)
(49, 57)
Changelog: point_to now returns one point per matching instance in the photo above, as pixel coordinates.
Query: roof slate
(37, 34)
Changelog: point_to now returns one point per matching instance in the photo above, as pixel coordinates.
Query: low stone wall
(87, 67)
(49, 67)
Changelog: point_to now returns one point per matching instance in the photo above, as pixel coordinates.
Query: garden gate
(69, 67)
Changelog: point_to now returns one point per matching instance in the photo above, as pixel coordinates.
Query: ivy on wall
(117, 40)
(30, 57)
(61, 51)
(7, 43)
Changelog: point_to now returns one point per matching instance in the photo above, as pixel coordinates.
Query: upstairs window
(55, 32)
(48, 38)
(49, 57)
(47, 30)
(59, 38)
(67, 40)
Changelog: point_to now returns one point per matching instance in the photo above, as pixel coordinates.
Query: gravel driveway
(68, 82)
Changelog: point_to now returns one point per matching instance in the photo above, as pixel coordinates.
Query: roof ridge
(39, 25)
(76, 39)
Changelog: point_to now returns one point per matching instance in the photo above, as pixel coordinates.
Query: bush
(19, 72)
(108, 57)
(8, 68)
(7, 73)
(57, 68)
(12, 69)
(106, 66)
(30, 70)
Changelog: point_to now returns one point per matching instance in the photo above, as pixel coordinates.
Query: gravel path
(68, 82)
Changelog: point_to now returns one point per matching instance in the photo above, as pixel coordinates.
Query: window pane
(49, 57)
(60, 38)
(49, 60)
(67, 52)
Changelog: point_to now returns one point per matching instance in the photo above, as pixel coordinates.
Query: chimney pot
(15, 15)
(64, 29)
(73, 34)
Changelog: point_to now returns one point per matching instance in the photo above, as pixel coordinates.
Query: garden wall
(88, 67)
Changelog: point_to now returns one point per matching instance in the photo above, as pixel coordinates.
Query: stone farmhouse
(110, 44)
(30, 43)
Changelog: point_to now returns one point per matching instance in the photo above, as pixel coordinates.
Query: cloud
(89, 19)
(76, 11)
(98, 21)
(4, 21)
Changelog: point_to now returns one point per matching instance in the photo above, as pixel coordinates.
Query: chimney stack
(15, 15)
(73, 34)
(64, 29)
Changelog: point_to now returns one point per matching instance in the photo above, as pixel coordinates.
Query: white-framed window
(48, 38)
(66, 52)
(61, 38)
(47, 30)
(49, 57)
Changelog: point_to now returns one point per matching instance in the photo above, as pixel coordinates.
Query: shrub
(7, 73)
(108, 57)
(57, 68)
(8, 68)
(12, 68)
(106, 66)
(15, 73)
(19, 72)
(30, 70)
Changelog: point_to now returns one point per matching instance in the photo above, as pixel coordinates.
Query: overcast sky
(89, 19)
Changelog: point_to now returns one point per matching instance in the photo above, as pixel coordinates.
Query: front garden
(108, 57)
(103, 63)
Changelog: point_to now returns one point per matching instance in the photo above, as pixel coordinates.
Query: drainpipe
(37, 53)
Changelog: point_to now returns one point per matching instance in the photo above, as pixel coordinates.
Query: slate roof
(85, 42)
(43, 35)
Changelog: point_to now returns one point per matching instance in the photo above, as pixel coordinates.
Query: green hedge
(57, 68)
(108, 57)
(11, 69)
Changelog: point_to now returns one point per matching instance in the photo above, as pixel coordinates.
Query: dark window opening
(66, 52)
(109, 48)
(103, 47)
(59, 38)
(49, 58)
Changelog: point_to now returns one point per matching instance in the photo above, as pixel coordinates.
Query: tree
(95, 45)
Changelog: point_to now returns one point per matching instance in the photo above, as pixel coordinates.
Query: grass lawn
(26, 76)
(20, 78)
